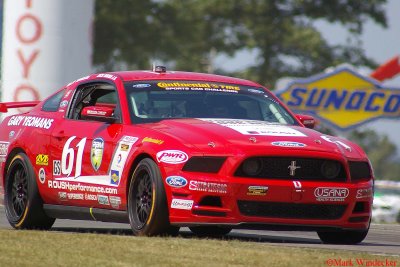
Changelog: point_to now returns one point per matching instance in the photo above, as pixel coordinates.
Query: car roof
(180, 75)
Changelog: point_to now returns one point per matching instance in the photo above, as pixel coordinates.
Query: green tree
(186, 34)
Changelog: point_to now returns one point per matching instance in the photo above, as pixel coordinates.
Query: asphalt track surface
(381, 239)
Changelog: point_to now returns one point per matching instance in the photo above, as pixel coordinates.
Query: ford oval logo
(176, 181)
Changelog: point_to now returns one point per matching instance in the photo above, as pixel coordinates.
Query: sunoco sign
(342, 98)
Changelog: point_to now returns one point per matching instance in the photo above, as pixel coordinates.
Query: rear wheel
(147, 202)
(347, 237)
(211, 231)
(23, 205)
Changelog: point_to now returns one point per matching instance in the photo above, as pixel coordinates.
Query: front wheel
(147, 202)
(346, 237)
(23, 204)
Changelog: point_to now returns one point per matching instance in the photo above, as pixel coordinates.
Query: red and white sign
(46, 43)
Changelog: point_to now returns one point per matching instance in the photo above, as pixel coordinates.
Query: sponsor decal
(96, 112)
(4, 148)
(141, 85)
(288, 144)
(30, 121)
(342, 98)
(208, 187)
(181, 204)
(129, 139)
(337, 142)
(68, 93)
(11, 134)
(152, 140)
(114, 177)
(90, 197)
(106, 75)
(56, 167)
(176, 181)
(198, 86)
(297, 184)
(172, 156)
(256, 190)
(124, 147)
(62, 195)
(120, 157)
(365, 193)
(331, 193)
(42, 159)
(96, 153)
(63, 103)
(65, 185)
(42, 175)
(78, 80)
(255, 91)
(103, 200)
(75, 196)
(251, 127)
(115, 202)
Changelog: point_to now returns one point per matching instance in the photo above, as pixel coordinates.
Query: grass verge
(40, 248)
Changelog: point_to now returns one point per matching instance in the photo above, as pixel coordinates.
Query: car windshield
(152, 101)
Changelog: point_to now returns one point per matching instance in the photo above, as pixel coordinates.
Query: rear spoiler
(6, 105)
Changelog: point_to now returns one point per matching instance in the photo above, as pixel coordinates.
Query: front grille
(291, 210)
(279, 168)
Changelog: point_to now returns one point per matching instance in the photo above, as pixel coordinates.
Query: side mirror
(306, 120)
(98, 113)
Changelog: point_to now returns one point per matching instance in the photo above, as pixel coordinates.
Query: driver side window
(98, 98)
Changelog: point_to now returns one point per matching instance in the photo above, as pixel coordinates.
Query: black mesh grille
(359, 170)
(278, 168)
(291, 210)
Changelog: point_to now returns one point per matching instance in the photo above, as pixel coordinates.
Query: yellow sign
(343, 98)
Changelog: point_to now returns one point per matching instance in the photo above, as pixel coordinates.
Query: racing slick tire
(147, 202)
(210, 231)
(23, 204)
(344, 237)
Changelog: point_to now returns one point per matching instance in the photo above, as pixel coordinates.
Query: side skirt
(85, 213)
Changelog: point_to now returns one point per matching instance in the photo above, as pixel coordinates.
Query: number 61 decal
(69, 153)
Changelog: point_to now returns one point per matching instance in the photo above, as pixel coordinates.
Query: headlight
(330, 169)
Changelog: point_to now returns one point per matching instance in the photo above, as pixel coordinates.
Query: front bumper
(261, 203)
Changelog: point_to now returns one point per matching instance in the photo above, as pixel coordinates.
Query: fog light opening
(330, 169)
(252, 167)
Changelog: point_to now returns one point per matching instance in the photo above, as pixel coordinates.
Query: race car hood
(227, 136)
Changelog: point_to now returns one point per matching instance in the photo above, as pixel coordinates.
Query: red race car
(161, 150)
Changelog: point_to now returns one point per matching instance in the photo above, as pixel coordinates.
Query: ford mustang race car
(162, 150)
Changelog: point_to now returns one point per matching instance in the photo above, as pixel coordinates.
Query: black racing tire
(344, 237)
(147, 202)
(23, 204)
(210, 231)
